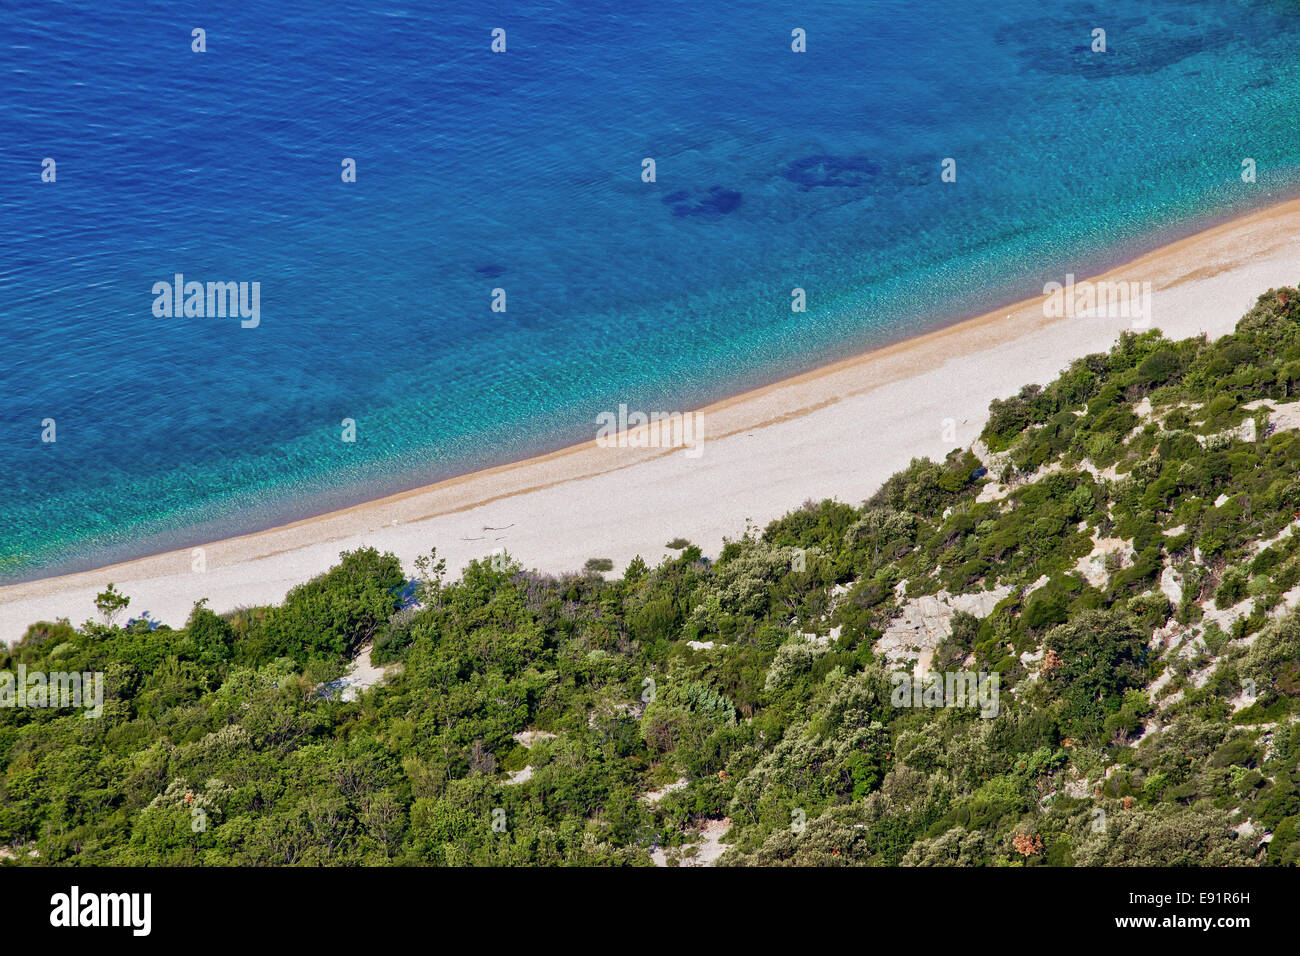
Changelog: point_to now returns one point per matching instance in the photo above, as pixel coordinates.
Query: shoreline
(344, 497)
(859, 418)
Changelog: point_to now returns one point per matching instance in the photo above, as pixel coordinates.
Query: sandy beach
(836, 432)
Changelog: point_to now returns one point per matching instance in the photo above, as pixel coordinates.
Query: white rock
(703, 853)
(1288, 603)
(1228, 616)
(1280, 536)
(526, 738)
(1241, 701)
(1282, 417)
(519, 776)
(1171, 586)
(925, 621)
(1041, 582)
(1093, 565)
(654, 796)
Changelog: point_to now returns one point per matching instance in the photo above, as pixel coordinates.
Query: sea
(470, 228)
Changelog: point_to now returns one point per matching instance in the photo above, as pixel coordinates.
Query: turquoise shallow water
(522, 171)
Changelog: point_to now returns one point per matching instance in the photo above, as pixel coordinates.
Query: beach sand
(836, 432)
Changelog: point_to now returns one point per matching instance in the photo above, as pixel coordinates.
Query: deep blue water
(522, 171)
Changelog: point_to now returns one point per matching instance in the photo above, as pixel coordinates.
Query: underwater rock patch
(716, 201)
(823, 169)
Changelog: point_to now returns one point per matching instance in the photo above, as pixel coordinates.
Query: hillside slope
(1110, 573)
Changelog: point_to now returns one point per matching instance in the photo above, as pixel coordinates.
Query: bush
(1232, 588)
(337, 612)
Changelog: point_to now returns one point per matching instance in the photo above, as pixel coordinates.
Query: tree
(1102, 654)
(110, 603)
(432, 569)
(335, 613)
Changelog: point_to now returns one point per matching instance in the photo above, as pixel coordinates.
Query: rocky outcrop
(1171, 586)
(926, 621)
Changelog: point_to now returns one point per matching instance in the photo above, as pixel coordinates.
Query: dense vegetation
(755, 684)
